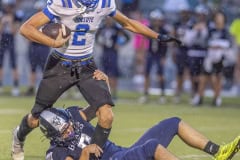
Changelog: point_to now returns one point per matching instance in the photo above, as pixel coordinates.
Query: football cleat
(226, 152)
(17, 146)
(197, 100)
(217, 102)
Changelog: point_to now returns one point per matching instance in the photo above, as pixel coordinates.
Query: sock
(100, 135)
(211, 148)
(15, 83)
(162, 86)
(24, 129)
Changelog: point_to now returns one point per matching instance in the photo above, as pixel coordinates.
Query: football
(52, 29)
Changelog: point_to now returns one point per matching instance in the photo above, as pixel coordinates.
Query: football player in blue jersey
(71, 61)
(70, 134)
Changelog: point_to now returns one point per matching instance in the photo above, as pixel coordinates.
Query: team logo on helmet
(56, 121)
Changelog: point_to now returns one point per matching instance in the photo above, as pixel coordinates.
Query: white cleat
(196, 101)
(17, 146)
(218, 102)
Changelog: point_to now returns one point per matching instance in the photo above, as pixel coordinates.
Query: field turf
(220, 124)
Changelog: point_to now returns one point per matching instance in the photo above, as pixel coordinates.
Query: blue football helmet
(53, 122)
(90, 4)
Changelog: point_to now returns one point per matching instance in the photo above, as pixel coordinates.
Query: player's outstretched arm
(137, 27)
(30, 30)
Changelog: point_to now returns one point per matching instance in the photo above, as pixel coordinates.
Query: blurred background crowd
(207, 65)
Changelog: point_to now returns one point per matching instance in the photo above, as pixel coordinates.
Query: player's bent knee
(174, 121)
(171, 123)
(32, 121)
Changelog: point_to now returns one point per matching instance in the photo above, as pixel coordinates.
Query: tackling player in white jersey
(71, 62)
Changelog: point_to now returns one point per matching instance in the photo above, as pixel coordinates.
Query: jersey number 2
(82, 29)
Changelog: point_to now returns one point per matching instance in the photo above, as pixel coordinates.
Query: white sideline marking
(194, 156)
(4, 131)
(11, 111)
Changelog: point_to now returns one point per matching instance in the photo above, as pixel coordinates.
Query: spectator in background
(140, 46)
(110, 36)
(8, 29)
(229, 68)
(218, 46)
(180, 56)
(129, 6)
(196, 40)
(235, 32)
(156, 55)
(38, 54)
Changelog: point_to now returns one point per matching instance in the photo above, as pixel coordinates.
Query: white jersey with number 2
(84, 24)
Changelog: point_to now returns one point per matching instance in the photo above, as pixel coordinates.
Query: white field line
(12, 111)
(194, 156)
(5, 131)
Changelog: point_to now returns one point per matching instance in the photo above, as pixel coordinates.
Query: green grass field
(131, 120)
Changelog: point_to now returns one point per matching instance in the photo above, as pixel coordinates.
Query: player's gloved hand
(166, 38)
